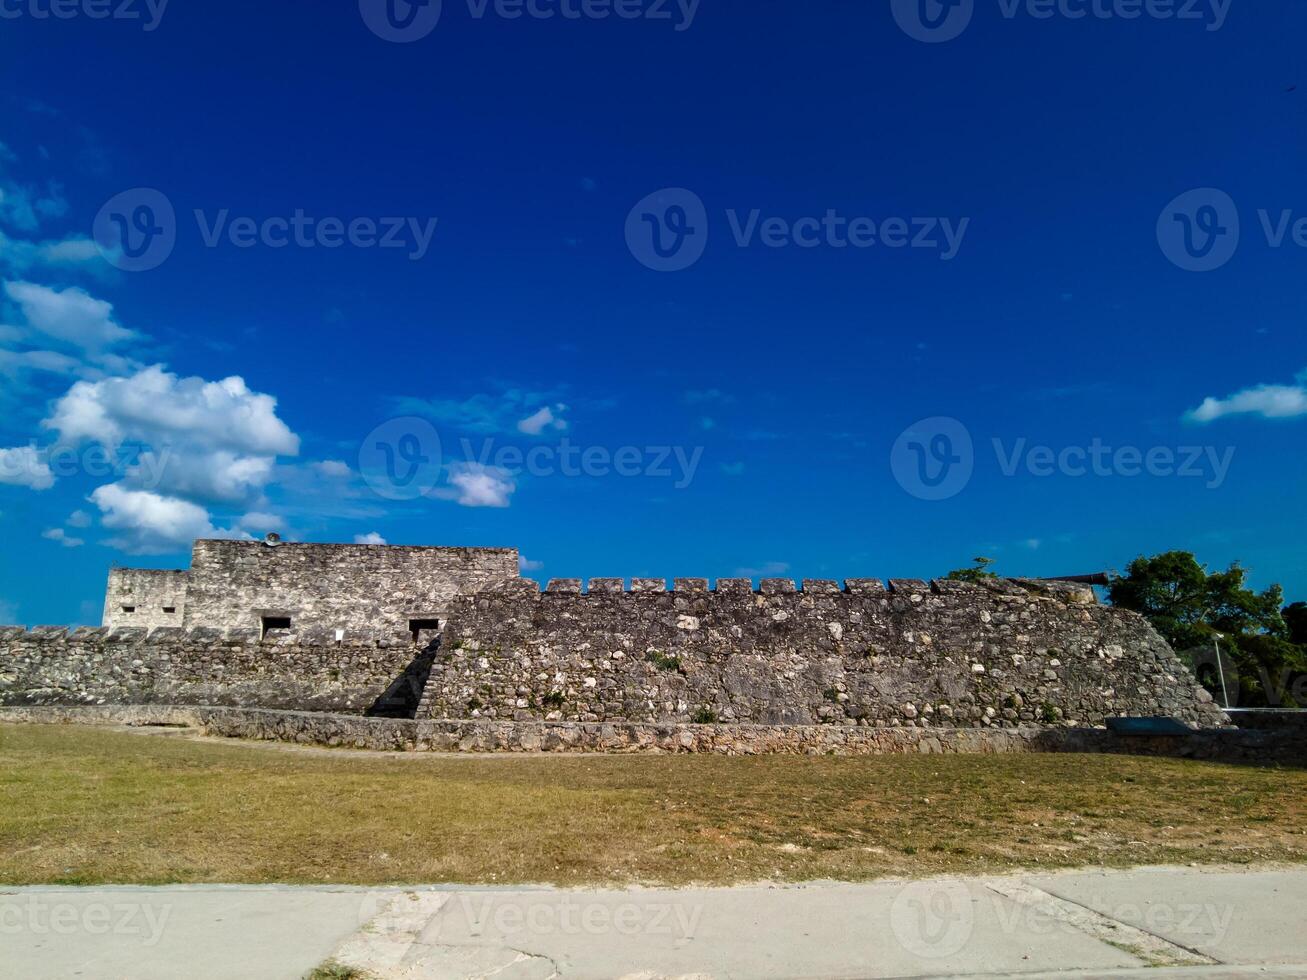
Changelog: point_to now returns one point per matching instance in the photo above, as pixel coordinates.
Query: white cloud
(39, 360)
(8, 613)
(78, 518)
(1032, 543)
(525, 564)
(1267, 400)
(60, 535)
(23, 466)
(545, 418)
(222, 475)
(73, 252)
(503, 411)
(372, 537)
(156, 407)
(150, 523)
(257, 522)
(71, 315)
(477, 485)
(768, 569)
(332, 467)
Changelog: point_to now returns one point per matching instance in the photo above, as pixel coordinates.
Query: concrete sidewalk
(1158, 922)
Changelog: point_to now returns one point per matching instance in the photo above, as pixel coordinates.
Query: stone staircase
(406, 696)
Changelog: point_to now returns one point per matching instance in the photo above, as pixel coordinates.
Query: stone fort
(455, 633)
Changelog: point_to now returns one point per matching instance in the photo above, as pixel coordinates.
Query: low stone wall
(309, 671)
(946, 654)
(1270, 719)
(381, 734)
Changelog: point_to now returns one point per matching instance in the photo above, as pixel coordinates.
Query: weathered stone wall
(143, 597)
(233, 584)
(304, 671)
(940, 656)
(381, 734)
(945, 655)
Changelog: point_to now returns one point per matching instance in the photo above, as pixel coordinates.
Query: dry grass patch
(85, 805)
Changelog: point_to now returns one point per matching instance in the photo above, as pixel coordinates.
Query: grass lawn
(87, 805)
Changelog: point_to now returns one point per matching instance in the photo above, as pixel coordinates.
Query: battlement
(1061, 591)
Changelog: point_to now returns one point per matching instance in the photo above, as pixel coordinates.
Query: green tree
(978, 573)
(1192, 607)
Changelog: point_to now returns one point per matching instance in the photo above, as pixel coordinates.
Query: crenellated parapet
(1065, 591)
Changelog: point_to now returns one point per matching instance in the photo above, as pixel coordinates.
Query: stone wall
(305, 671)
(145, 597)
(380, 734)
(234, 584)
(945, 654)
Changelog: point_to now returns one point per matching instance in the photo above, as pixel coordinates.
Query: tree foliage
(977, 573)
(1195, 609)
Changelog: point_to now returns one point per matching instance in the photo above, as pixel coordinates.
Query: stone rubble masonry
(293, 670)
(942, 655)
(407, 735)
(914, 655)
(234, 584)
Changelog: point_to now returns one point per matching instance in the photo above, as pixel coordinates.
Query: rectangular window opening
(275, 623)
(129, 609)
(416, 626)
(170, 609)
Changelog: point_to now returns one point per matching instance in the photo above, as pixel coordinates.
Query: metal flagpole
(1221, 671)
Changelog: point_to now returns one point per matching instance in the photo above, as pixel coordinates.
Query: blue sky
(772, 405)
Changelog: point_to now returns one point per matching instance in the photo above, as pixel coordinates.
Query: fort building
(455, 634)
(274, 584)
